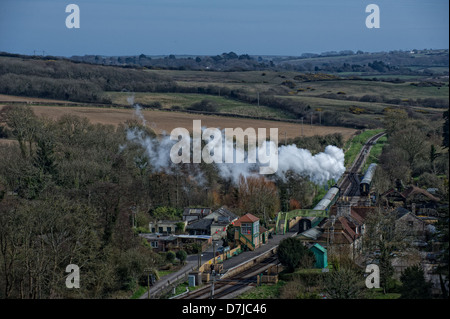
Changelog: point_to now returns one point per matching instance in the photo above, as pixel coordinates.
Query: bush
(153, 105)
(427, 180)
(170, 256)
(308, 278)
(181, 255)
(291, 251)
(204, 105)
(344, 283)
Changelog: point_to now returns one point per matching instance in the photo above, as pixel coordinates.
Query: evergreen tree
(414, 285)
(291, 251)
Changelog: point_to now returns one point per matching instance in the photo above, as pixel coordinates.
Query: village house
(200, 227)
(341, 233)
(419, 201)
(164, 243)
(214, 224)
(409, 225)
(194, 214)
(167, 226)
(221, 217)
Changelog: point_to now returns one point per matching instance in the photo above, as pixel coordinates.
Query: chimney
(343, 209)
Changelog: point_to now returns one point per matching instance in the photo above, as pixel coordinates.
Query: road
(192, 262)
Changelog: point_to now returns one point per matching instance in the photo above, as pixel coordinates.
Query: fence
(171, 283)
(221, 258)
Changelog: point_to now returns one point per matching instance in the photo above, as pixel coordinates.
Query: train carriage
(364, 186)
(329, 199)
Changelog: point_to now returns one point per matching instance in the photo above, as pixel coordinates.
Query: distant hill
(414, 62)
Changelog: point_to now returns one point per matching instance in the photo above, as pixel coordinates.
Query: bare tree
(23, 124)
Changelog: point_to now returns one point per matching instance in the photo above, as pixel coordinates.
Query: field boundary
(122, 106)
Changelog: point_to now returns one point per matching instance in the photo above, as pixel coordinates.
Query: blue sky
(209, 27)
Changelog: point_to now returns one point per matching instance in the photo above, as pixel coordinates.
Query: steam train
(334, 192)
(329, 199)
(364, 186)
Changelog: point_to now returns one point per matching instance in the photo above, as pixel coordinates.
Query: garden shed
(320, 253)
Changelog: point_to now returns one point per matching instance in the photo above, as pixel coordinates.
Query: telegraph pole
(213, 270)
(302, 126)
(148, 270)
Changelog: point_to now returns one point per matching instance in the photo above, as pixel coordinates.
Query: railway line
(224, 288)
(349, 184)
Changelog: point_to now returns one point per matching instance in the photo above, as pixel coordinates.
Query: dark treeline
(60, 79)
(86, 83)
(222, 62)
(393, 62)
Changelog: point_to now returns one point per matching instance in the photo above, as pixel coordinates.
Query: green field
(361, 88)
(184, 100)
(309, 93)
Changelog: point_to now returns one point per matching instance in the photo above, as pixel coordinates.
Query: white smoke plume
(157, 150)
(320, 167)
(137, 109)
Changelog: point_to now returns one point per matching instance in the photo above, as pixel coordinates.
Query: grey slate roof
(226, 213)
(202, 224)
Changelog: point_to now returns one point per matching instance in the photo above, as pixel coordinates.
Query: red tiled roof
(248, 218)
(361, 213)
(347, 237)
(346, 226)
(339, 237)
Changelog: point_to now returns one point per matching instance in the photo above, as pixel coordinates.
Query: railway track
(229, 286)
(350, 183)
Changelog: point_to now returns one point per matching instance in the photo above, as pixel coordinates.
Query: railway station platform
(245, 256)
(228, 264)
